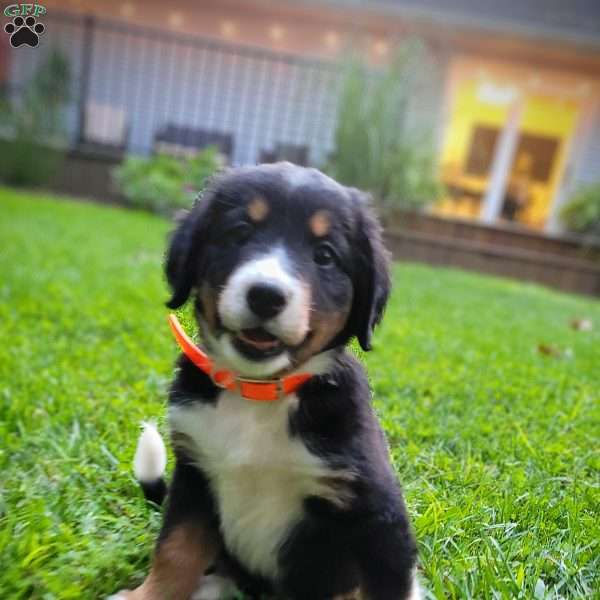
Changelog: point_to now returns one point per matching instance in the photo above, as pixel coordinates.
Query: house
(514, 105)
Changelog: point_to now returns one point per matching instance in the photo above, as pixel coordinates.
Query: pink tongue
(259, 338)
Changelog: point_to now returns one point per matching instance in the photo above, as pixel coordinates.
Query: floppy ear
(184, 259)
(371, 272)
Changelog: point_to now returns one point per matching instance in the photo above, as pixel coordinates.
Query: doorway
(530, 174)
(481, 98)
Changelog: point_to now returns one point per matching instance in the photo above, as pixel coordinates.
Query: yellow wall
(553, 117)
(468, 111)
(549, 109)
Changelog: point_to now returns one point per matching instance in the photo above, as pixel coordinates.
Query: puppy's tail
(149, 464)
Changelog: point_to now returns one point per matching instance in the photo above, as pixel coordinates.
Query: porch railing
(137, 89)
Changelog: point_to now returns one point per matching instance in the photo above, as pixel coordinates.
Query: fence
(136, 88)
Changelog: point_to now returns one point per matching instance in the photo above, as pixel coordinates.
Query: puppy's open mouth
(257, 343)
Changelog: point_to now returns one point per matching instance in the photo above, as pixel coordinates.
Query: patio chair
(105, 129)
(292, 152)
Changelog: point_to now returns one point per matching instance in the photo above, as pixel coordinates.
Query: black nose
(265, 300)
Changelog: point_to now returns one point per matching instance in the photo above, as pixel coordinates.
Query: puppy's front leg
(180, 559)
(188, 543)
(387, 557)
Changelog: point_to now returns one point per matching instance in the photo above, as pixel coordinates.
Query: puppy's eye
(238, 235)
(324, 255)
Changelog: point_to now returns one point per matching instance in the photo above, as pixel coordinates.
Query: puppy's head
(283, 263)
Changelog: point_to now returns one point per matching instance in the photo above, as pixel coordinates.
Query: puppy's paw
(215, 587)
(416, 592)
(122, 595)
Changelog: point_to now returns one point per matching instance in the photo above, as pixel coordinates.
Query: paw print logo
(24, 31)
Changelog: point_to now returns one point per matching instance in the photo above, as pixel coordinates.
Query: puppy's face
(283, 262)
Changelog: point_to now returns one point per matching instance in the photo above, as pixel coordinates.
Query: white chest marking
(259, 475)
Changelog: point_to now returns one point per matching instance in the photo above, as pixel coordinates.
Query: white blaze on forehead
(291, 324)
(298, 177)
(301, 176)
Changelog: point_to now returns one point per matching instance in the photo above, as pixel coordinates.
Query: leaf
(549, 350)
(581, 324)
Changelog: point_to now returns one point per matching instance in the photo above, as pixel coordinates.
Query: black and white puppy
(295, 497)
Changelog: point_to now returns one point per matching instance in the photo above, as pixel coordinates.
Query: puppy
(282, 482)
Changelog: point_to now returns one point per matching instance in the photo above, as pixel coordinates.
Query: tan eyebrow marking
(258, 209)
(320, 223)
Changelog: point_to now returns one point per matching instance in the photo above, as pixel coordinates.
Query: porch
(141, 90)
(137, 89)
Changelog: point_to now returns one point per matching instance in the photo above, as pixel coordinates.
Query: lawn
(496, 443)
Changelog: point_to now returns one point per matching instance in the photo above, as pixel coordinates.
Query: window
(481, 150)
(542, 149)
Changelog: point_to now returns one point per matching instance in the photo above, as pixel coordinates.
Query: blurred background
(474, 124)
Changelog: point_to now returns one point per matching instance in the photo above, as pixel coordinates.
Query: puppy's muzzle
(266, 300)
(266, 293)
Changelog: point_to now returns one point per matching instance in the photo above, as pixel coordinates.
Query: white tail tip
(150, 456)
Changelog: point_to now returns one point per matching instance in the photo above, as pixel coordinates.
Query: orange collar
(260, 390)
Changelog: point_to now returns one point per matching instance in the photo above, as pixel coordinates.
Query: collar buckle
(275, 385)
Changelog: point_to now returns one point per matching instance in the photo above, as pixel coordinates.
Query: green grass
(496, 444)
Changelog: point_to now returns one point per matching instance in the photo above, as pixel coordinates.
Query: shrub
(164, 183)
(33, 126)
(379, 146)
(582, 212)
